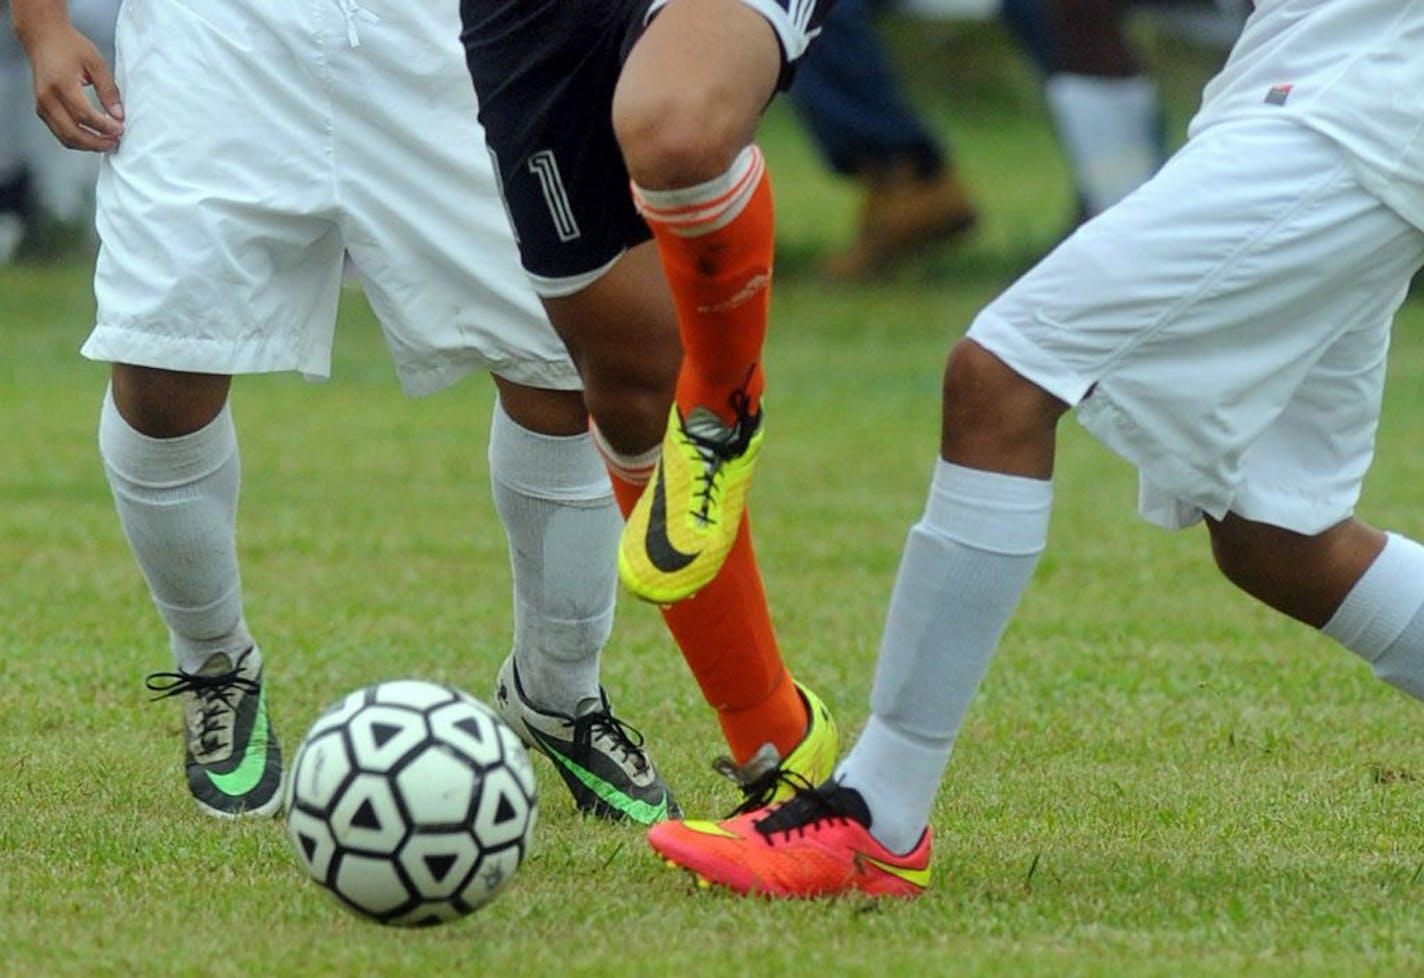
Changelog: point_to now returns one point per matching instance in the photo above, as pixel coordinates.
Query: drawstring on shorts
(355, 12)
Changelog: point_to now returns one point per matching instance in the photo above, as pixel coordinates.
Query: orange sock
(716, 241)
(725, 635)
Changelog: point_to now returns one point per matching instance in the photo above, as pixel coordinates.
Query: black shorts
(544, 72)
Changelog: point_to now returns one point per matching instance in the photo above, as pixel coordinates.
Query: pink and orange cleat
(816, 844)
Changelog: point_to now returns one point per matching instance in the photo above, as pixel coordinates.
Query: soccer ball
(411, 802)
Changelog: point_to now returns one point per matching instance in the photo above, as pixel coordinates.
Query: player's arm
(64, 63)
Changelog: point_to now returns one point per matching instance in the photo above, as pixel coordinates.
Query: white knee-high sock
(553, 496)
(1382, 618)
(965, 566)
(177, 503)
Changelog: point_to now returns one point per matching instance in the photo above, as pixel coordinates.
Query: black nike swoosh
(661, 553)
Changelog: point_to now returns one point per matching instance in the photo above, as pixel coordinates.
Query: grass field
(1158, 778)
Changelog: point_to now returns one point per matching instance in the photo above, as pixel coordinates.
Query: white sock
(177, 503)
(965, 566)
(553, 496)
(1110, 131)
(1382, 618)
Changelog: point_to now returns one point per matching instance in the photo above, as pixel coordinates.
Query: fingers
(63, 100)
(107, 92)
(79, 125)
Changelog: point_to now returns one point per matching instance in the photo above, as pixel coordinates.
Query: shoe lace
(717, 444)
(759, 778)
(808, 807)
(216, 694)
(620, 739)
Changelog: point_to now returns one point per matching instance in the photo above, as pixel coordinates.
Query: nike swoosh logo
(661, 553)
(634, 808)
(915, 877)
(243, 778)
(709, 828)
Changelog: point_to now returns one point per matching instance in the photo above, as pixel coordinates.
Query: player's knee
(165, 403)
(676, 137)
(984, 396)
(1263, 561)
(631, 417)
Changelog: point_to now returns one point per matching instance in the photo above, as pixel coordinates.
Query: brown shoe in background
(903, 211)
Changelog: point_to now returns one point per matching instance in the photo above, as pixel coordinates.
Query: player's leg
(622, 330)
(561, 522)
(216, 280)
(171, 458)
(553, 498)
(685, 111)
(1290, 540)
(588, 253)
(1361, 586)
(1217, 320)
(430, 240)
(1233, 272)
(1305, 576)
(965, 565)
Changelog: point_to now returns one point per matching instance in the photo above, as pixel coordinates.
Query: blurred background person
(865, 127)
(1102, 103)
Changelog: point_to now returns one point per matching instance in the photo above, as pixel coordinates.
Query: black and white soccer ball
(411, 802)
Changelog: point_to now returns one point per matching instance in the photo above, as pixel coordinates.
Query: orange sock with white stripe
(725, 634)
(716, 241)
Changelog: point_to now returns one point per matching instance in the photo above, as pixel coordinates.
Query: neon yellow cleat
(767, 779)
(684, 524)
(814, 759)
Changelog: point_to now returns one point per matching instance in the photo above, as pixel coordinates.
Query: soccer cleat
(686, 520)
(233, 759)
(600, 757)
(767, 779)
(814, 845)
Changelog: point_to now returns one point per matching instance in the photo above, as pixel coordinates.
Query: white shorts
(1225, 327)
(262, 142)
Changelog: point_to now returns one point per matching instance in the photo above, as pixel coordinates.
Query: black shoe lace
(808, 806)
(216, 695)
(759, 779)
(716, 450)
(626, 738)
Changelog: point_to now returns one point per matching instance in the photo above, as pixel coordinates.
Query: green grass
(1158, 778)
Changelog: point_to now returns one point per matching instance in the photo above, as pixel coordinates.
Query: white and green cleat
(600, 758)
(233, 759)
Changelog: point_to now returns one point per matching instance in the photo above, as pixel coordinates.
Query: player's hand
(65, 65)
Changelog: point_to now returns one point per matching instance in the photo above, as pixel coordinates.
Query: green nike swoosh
(243, 778)
(637, 810)
(661, 552)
